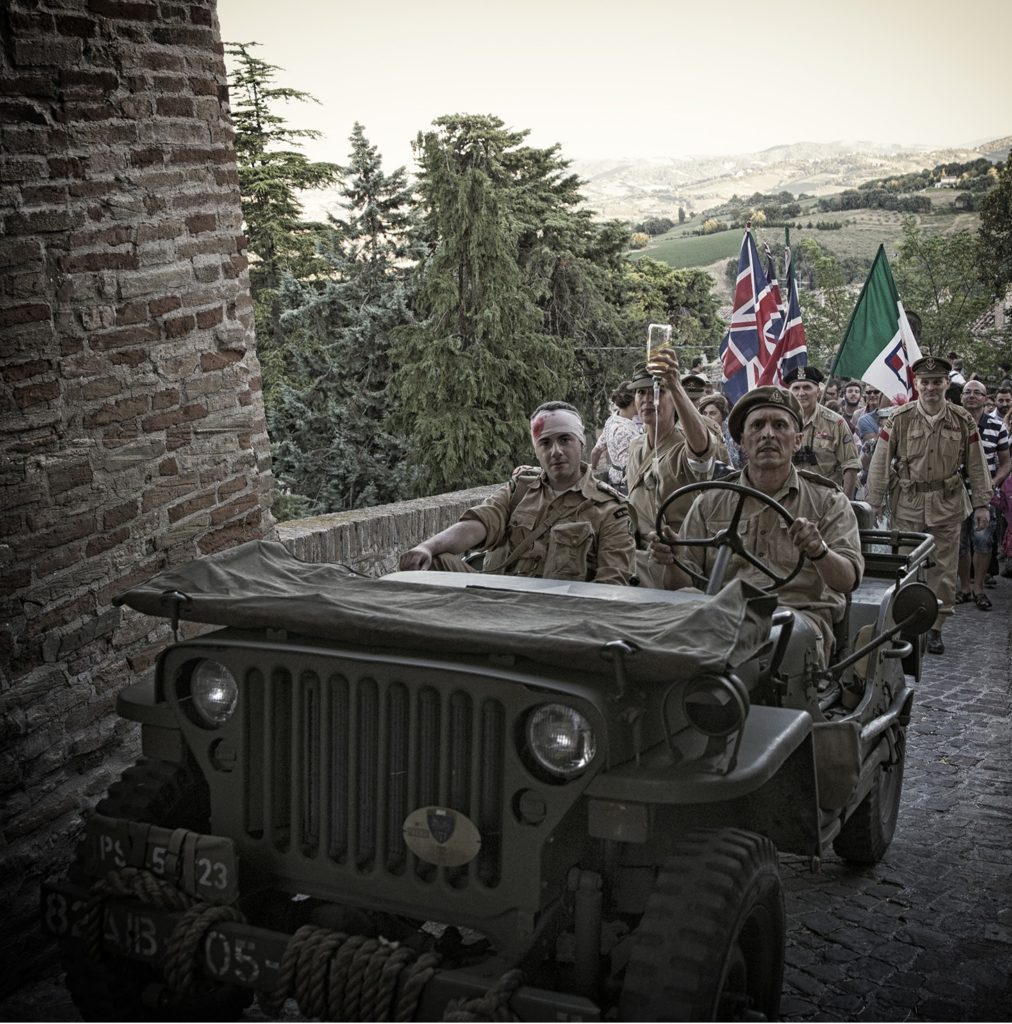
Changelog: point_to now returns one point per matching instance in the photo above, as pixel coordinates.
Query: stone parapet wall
(369, 540)
(132, 431)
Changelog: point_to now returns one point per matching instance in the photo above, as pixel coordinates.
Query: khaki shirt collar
(585, 485)
(790, 486)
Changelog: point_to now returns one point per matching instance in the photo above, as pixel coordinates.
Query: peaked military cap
(932, 365)
(804, 373)
(693, 384)
(641, 378)
(757, 398)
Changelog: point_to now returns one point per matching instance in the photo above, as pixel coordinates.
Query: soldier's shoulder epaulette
(964, 414)
(603, 485)
(902, 410)
(818, 478)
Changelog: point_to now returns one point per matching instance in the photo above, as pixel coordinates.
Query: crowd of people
(939, 463)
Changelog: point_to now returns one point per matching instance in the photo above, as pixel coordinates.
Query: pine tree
(272, 171)
(480, 359)
(332, 446)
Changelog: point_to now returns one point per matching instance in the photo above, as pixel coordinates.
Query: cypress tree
(333, 448)
(480, 359)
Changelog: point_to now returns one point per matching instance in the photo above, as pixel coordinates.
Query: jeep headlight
(560, 739)
(214, 692)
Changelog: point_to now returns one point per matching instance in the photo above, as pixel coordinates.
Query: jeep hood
(261, 585)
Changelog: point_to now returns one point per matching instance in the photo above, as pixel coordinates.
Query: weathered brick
(74, 25)
(174, 417)
(200, 222)
(37, 394)
(26, 370)
(22, 169)
(119, 514)
(121, 337)
(164, 304)
(28, 312)
(165, 399)
(209, 317)
(174, 106)
(103, 542)
(125, 409)
(231, 535)
(65, 477)
(102, 261)
(160, 280)
(57, 52)
(234, 508)
(75, 81)
(130, 357)
(124, 9)
(19, 252)
(197, 503)
(43, 221)
(210, 361)
(168, 467)
(176, 327)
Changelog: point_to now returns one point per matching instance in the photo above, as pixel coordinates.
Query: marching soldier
(925, 443)
(827, 442)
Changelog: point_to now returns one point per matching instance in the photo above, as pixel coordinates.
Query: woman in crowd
(619, 430)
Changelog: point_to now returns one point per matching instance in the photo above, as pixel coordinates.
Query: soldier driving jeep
(767, 423)
(561, 523)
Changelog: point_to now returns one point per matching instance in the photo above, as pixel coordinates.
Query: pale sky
(640, 78)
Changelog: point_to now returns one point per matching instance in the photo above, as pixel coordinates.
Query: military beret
(718, 400)
(931, 365)
(757, 398)
(804, 373)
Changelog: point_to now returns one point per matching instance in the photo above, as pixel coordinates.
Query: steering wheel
(727, 541)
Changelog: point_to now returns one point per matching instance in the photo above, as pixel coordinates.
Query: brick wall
(132, 433)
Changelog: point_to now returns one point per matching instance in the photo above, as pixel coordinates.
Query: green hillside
(860, 233)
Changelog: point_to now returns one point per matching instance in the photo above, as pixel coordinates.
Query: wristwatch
(822, 553)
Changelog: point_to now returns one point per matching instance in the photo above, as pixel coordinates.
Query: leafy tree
(937, 276)
(639, 240)
(332, 445)
(995, 236)
(272, 171)
(681, 214)
(828, 304)
(479, 359)
(660, 294)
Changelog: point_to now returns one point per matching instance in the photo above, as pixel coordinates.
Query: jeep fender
(771, 790)
(161, 737)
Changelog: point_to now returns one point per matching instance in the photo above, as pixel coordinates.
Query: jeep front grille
(334, 765)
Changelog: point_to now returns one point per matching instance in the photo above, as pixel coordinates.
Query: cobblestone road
(925, 935)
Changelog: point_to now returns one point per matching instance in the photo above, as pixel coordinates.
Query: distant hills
(633, 189)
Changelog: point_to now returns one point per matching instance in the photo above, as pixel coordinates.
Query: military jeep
(457, 796)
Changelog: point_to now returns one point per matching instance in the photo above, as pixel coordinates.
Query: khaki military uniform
(832, 441)
(588, 536)
(917, 464)
(764, 534)
(676, 466)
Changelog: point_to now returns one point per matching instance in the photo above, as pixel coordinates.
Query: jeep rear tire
(710, 945)
(867, 833)
(119, 989)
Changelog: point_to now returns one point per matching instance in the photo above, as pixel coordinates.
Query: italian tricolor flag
(879, 345)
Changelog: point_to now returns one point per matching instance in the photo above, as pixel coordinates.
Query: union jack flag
(791, 349)
(751, 339)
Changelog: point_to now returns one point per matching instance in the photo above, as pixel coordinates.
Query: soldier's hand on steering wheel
(807, 538)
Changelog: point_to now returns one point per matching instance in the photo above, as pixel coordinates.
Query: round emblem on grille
(440, 835)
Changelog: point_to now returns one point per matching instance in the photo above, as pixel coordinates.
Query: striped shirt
(994, 438)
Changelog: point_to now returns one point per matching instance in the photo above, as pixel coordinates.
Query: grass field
(860, 237)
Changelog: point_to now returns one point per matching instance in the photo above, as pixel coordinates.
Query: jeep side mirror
(916, 607)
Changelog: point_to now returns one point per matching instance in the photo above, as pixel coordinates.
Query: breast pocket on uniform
(569, 550)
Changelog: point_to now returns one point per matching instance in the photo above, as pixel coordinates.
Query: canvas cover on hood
(261, 585)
